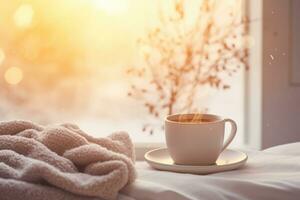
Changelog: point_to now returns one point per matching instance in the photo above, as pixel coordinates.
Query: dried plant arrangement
(181, 55)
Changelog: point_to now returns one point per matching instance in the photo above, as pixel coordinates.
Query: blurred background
(66, 61)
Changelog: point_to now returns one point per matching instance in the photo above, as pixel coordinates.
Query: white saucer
(228, 160)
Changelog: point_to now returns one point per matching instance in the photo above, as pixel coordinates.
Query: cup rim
(217, 117)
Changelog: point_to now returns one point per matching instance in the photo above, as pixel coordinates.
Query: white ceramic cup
(191, 142)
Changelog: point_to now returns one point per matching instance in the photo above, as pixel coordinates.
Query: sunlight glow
(13, 75)
(23, 16)
(112, 7)
(2, 56)
(73, 56)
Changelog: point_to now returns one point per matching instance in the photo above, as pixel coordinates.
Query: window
(68, 61)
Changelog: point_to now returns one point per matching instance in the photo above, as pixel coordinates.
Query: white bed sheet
(270, 174)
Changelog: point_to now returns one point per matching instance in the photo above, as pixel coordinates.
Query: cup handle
(232, 133)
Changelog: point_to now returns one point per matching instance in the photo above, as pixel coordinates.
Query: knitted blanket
(62, 162)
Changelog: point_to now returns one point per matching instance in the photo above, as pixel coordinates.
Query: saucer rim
(241, 162)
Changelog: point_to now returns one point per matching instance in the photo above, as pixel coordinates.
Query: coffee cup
(197, 139)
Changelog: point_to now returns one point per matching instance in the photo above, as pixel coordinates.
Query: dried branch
(180, 59)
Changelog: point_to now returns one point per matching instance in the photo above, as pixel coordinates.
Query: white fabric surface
(270, 174)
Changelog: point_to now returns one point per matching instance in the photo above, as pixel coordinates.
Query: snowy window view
(122, 64)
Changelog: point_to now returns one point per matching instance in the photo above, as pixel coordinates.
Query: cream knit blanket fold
(62, 162)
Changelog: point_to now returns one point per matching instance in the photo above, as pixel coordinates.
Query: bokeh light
(23, 16)
(13, 75)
